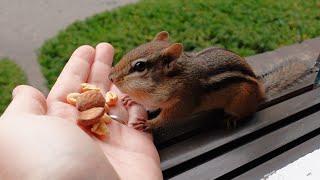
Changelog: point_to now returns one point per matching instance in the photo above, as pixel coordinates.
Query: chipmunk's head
(143, 73)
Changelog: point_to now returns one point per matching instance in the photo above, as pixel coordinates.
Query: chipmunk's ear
(171, 54)
(173, 51)
(162, 36)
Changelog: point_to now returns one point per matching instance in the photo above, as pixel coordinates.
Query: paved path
(24, 25)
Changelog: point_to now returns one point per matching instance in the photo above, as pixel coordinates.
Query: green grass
(10, 76)
(245, 26)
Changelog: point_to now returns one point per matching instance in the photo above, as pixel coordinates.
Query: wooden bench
(285, 122)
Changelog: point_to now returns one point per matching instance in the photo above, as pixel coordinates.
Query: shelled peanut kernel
(91, 116)
(100, 129)
(111, 98)
(87, 87)
(72, 98)
(93, 108)
(106, 118)
(90, 99)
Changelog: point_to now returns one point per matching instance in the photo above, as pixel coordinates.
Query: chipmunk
(159, 74)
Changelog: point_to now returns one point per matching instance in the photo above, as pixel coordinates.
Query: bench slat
(246, 153)
(282, 160)
(207, 141)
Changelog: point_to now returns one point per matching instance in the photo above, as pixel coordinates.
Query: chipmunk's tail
(284, 76)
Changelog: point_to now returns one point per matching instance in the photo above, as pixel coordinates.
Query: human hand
(39, 137)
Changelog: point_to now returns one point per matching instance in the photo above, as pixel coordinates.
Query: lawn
(10, 76)
(245, 26)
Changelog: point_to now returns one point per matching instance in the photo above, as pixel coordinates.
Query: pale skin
(39, 138)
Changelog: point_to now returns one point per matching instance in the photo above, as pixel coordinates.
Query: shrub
(245, 26)
(10, 76)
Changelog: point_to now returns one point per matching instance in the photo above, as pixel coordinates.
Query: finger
(63, 110)
(75, 72)
(27, 99)
(128, 137)
(101, 66)
(119, 110)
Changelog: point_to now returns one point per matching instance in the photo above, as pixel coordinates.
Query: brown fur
(284, 76)
(185, 83)
(144, 50)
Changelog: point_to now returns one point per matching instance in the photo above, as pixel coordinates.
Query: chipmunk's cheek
(121, 86)
(117, 84)
(127, 87)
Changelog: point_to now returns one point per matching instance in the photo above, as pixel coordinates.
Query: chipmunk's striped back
(223, 68)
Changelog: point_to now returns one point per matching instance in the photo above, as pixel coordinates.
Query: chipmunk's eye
(139, 66)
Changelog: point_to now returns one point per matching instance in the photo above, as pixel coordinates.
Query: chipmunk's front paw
(138, 124)
(127, 101)
(148, 126)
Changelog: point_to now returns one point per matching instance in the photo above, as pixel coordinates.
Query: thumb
(27, 99)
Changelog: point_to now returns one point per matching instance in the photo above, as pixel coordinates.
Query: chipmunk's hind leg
(244, 103)
(161, 120)
(176, 111)
(230, 122)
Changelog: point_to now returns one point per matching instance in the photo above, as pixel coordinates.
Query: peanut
(106, 118)
(111, 98)
(106, 108)
(90, 99)
(87, 87)
(91, 116)
(93, 108)
(100, 128)
(72, 98)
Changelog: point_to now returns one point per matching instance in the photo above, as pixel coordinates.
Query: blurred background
(38, 36)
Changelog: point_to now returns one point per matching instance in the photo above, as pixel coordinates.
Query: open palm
(126, 153)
